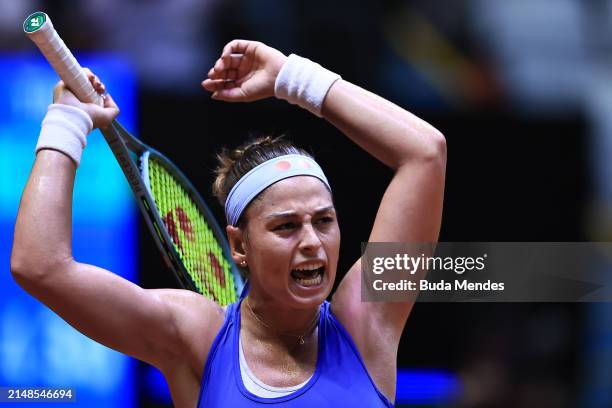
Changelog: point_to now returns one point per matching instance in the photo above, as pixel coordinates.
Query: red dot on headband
(305, 164)
(283, 165)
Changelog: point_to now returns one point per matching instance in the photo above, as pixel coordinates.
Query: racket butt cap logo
(34, 22)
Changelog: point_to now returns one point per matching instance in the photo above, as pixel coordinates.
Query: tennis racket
(184, 229)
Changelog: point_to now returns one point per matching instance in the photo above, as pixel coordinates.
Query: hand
(245, 72)
(101, 116)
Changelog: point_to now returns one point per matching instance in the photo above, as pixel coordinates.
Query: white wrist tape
(304, 83)
(65, 129)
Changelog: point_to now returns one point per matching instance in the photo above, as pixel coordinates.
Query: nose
(310, 241)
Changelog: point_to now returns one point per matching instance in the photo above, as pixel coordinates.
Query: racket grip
(39, 29)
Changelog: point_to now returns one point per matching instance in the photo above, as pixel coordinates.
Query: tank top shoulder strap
(221, 340)
(341, 342)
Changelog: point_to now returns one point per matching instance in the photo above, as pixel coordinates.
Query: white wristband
(304, 82)
(65, 129)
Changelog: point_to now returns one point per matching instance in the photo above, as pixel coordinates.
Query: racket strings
(192, 237)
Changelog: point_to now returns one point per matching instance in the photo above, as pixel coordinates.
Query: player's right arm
(152, 325)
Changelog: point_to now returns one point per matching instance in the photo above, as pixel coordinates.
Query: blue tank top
(340, 378)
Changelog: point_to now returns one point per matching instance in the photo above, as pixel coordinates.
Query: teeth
(310, 267)
(310, 282)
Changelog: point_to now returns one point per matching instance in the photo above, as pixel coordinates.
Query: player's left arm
(410, 211)
(411, 208)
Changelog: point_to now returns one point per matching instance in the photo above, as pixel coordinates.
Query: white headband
(264, 175)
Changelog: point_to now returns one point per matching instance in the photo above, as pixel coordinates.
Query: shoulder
(372, 337)
(376, 343)
(196, 321)
(374, 326)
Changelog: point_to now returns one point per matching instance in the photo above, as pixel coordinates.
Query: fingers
(236, 60)
(58, 89)
(109, 103)
(226, 67)
(110, 111)
(99, 87)
(229, 61)
(61, 89)
(225, 90)
(213, 85)
(221, 69)
(237, 69)
(239, 47)
(102, 116)
(232, 61)
(234, 94)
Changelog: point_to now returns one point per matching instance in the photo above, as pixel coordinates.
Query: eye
(285, 226)
(325, 220)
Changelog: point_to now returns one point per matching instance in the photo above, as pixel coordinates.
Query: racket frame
(121, 143)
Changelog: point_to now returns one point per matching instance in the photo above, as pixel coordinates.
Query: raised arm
(411, 208)
(410, 211)
(146, 324)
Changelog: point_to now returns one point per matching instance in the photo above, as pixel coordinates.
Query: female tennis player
(282, 343)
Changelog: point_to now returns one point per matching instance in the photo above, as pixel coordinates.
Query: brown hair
(233, 164)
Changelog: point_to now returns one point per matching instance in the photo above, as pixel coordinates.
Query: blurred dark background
(521, 89)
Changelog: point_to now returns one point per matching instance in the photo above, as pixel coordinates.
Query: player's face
(293, 241)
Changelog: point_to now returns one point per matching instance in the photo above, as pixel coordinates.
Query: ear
(237, 244)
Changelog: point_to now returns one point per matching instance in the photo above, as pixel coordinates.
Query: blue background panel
(37, 348)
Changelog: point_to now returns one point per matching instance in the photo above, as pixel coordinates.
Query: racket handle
(40, 30)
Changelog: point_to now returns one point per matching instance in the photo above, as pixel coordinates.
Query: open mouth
(308, 277)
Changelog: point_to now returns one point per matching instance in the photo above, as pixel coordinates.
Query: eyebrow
(290, 213)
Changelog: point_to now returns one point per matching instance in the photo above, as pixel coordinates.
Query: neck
(268, 319)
